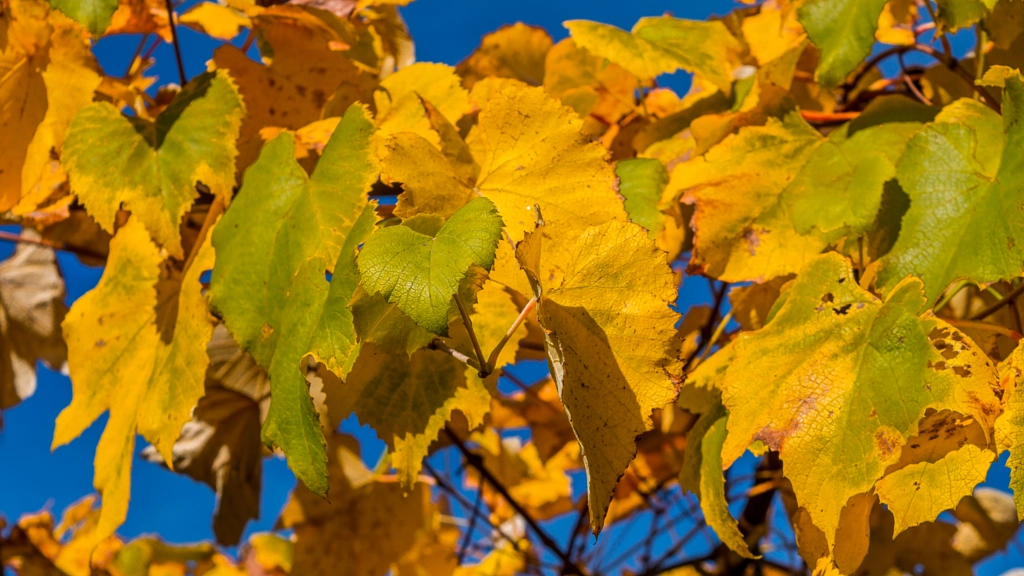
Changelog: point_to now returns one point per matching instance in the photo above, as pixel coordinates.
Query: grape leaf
(742, 228)
(93, 15)
(1011, 424)
(368, 524)
(844, 32)
(937, 468)
(966, 216)
(399, 99)
(956, 14)
(119, 362)
(220, 445)
(641, 182)
(531, 152)
(215, 20)
(609, 340)
(31, 311)
(408, 398)
(275, 244)
(421, 273)
(588, 83)
(713, 501)
(515, 51)
(663, 45)
(819, 384)
(153, 167)
(304, 77)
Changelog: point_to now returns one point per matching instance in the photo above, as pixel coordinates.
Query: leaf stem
(949, 295)
(484, 367)
(477, 463)
(716, 335)
(438, 344)
(492, 360)
(174, 39)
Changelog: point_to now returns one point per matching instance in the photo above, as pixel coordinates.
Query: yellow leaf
(588, 84)
(921, 491)
(399, 99)
(368, 524)
(896, 24)
(531, 152)
(303, 76)
(743, 232)
(119, 361)
(514, 51)
(429, 182)
(71, 77)
(610, 340)
(838, 381)
(216, 20)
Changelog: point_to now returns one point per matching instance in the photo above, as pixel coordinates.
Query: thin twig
(954, 65)
(946, 47)
(438, 344)
(472, 526)
(708, 329)
(450, 490)
(477, 463)
(581, 517)
(1008, 299)
(484, 367)
(910, 82)
(492, 360)
(10, 237)
(716, 335)
(174, 39)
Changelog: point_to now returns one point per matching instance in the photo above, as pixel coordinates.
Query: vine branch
(477, 463)
(174, 39)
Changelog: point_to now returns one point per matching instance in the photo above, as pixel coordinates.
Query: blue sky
(178, 508)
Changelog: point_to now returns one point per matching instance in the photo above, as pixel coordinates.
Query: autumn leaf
(516, 51)
(31, 311)
(741, 226)
(960, 174)
(609, 346)
(152, 168)
(226, 422)
(119, 361)
(216, 20)
(369, 522)
(663, 45)
(816, 384)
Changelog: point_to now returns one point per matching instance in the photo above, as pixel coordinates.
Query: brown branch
(468, 537)
(1008, 299)
(438, 344)
(910, 82)
(79, 250)
(708, 329)
(815, 117)
(174, 39)
(484, 367)
(474, 460)
(954, 65)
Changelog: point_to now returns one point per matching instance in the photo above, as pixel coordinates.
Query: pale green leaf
(844, 32)
(152, 168)
(641, 182)
(420, 273)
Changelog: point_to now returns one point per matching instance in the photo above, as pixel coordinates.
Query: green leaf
(1011, 424)
(964, 175)
(94, 15)
(662, 45)
(844, 32)
(841, 185)
(956, 14)
(420, 273)
(273, 246)
(839, 380)
(713, 501)
(153, 167)
(641, 182)
(334, 340)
